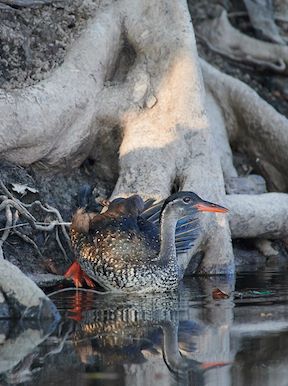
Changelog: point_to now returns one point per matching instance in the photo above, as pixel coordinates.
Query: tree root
(262, 19)
(22, 236)
(260, 216)
(21, 208)
(281, 10)
(222, 38)
(237, 114)
(252, 125)
(25, 299)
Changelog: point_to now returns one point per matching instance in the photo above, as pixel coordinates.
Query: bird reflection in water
(122, 330)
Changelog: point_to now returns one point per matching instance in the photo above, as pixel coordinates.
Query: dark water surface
(192, 337)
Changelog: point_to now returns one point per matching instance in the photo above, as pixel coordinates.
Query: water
(191, 337)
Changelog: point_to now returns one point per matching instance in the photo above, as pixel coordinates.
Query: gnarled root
(252, 125)
(240, 117)
(20, 209)
(262, 19)
(263, 215)
(25, 300)
(221, 37)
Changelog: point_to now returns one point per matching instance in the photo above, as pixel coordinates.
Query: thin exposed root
(28, 240)
(21, 210)
(49, 209)
(9, 201)
(60, 219)
(60, 244)
(16, 202)
(24, 237)
(9, 220)
(38, 224)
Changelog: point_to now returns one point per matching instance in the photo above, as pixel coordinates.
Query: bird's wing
(152, 211)
(187, 229)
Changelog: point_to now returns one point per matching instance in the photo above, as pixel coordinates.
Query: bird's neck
(167, 236)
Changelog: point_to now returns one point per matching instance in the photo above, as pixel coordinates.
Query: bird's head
(188, 203)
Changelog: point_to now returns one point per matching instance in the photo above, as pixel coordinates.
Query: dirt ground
(32, 43)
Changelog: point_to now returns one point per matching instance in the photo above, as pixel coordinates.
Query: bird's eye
(187, 199)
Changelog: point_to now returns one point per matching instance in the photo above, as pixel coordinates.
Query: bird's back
(115, 246)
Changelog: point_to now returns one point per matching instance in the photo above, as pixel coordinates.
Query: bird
(135, 245)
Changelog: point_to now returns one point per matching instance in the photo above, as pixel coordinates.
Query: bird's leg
(78, 276)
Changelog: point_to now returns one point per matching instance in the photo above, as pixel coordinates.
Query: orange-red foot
(79, 277)
(76, 311)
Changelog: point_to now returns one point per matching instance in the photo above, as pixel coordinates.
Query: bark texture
(24, 298)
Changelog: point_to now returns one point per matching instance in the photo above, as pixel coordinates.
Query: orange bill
(211, 365)
(206, 206)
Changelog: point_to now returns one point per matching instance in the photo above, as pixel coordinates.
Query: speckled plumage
(123, 251)
(118, 258)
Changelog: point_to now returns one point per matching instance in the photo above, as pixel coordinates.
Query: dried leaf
(23, 189)
(219, 294)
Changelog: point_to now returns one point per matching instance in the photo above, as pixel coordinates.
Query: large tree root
(252, 125)
(221, 37)
(263, 215)
(281, 9)
(262, 19)
(24, 298)
(164, 138)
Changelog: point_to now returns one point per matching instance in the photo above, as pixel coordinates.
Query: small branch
(261, 16)
(17, 204)
(278, 66)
